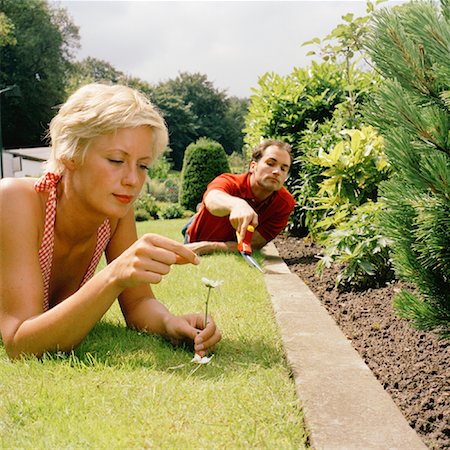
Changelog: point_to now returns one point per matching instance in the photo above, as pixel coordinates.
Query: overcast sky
(232, 42)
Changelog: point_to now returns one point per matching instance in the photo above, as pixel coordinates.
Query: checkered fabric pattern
(103, 237)
(48, 182)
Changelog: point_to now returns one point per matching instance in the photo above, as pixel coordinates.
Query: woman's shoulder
(18, 194)
(17, 185)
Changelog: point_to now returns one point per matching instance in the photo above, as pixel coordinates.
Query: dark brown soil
(413, 366)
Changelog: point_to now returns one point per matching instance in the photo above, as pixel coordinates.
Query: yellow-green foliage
(353, 169)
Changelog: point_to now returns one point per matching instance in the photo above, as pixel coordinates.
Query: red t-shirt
(273, 212)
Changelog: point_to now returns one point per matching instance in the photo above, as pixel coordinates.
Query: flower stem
(206, 308)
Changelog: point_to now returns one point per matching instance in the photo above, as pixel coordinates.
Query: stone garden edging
(345, 406)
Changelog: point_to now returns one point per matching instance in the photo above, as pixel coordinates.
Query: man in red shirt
(232, 202)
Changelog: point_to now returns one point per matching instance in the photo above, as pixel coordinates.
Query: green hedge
(203, 161)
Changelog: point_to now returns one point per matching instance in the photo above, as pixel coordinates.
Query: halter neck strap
(47, 182)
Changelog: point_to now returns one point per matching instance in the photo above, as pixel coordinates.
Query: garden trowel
(246, 249)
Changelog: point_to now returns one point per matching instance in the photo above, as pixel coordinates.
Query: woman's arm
(24, 326)
(140, 308)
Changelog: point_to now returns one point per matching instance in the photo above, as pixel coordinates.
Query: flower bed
(412, 366)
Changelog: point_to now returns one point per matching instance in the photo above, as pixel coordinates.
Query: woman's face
(114, 170)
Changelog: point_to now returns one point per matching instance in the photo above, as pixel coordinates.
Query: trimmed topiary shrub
(203, 161)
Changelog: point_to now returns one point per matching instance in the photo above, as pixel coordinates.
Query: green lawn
(122, 389)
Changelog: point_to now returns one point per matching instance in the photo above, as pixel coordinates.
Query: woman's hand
(148, 259)
(190, 328)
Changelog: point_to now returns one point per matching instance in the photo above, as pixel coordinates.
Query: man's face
(271, 171)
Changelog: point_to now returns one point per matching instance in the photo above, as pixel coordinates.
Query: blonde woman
(54, 230)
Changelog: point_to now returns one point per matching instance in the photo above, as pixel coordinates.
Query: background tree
(203, 161)
(194, 108)
(236, 110)
(34, 57)
(410, 47)
(91, 70)
(181, 121)
(6, 31)
(191, 106)
(36, 45)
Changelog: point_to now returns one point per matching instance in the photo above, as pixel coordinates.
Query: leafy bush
(160, 168)
(173, 211)
(141, 215)
(163, 190)
(203, 161)
(306, 109)
(239, 163)
(155, 188)
(172, 189)
(346, 208)
(359, 246)
(145, 208)
(353, 169)
(305, 187)
(282, 107)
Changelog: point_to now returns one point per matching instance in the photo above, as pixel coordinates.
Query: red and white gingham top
(48, 182)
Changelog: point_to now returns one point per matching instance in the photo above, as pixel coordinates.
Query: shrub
(160, 168)
(145, 208)
(172, 189)
(203, 161)
(173, 211)
(305, 187)
(283, 106)
(293, 108)
(155, 188)
(353, 169)
(412, 111)
(238, 162)
(359, 246)
(141, 215)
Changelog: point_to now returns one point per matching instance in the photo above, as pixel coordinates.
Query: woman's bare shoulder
(17, 196)
(17, 186)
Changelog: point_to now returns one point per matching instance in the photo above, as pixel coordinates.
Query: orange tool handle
(245, 246)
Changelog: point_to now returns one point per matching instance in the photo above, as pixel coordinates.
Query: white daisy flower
(197, 359)
(211, 283)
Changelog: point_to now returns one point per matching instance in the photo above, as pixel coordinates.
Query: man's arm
(221, 204)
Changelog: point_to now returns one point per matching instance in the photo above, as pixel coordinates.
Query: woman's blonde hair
(95, 110)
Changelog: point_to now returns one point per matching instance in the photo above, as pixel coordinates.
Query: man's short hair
(259, 150)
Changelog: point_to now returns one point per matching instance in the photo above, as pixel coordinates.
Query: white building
(25, 162)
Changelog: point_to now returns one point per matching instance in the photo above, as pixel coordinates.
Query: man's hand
(241, 216)
(240, 213)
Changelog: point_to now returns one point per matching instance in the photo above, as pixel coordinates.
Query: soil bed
(412, 366)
